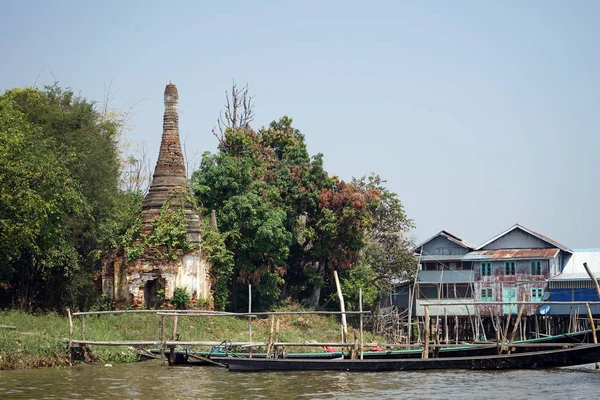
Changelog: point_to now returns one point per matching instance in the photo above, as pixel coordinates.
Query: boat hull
(578, 355)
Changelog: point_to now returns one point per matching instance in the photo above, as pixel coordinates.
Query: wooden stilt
(446, 339)
(505, 332)
(456, 329)
(593, 326)
(426, 334)
(515, 327)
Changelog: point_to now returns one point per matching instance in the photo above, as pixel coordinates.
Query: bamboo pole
(515, 327)
(270, 345)
(355, 348)
(456, 329)
(250, 318)
(593, 326)
(426, 334)
(446, 339)
(162, 338)
(276, 337)
(342, 307)
(409, 330)
(362, 338)
(594, 280)
(505, 332)
(70, 328)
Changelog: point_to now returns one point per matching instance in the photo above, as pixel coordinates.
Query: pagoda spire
(169, 179)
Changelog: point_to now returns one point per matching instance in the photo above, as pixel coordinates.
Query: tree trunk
(316, 294)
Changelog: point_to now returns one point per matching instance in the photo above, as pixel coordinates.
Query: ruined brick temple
(143, 281)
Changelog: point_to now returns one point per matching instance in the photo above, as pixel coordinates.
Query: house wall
(442, 246)
(398, 298)
(573, 294)
(523, 281)
(517, 239)
(447, 276)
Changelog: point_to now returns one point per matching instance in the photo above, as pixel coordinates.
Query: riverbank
(42, 340)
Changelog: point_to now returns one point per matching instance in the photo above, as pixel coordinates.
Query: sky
(479, 114)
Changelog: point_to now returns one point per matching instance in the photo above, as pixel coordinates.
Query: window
(509, 268)
(487, 294)
(537, 294)
(536, 267)
(486, 269)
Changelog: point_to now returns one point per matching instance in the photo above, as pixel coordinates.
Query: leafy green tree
(58, 187)
(387, 253)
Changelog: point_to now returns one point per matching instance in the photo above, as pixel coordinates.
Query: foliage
(168, 238)
(282, 219)
(222, 264)
(351, 281)
(58, 184)
(181, 298)
(388, 251)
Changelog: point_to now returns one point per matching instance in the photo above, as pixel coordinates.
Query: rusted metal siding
(511, 254)
(523, 281)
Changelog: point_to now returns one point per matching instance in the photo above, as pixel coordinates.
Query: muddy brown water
(150, 380)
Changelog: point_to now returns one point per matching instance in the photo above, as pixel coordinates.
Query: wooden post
(173, 338)
(593, 326)
(70, 328)
(270, 345)
(456, 329)
(515, 327)
(250, 318)
(445, 326)
(162, 338)
(505, 332)
(594, 280)
(426, 334)
(174, 330)
(362, 339)
(276, 337)
(409, 330)
(342, 307)
(355, 349)
(83, 327)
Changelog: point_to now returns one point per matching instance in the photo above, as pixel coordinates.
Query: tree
(59, 178)
(387, 253)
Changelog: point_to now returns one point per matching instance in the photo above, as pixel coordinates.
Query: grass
(42, 340)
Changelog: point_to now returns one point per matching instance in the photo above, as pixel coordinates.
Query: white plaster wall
(188, 273)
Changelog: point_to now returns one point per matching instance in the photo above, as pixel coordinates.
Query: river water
(149, 380)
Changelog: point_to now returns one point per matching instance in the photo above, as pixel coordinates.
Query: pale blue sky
(479, 114)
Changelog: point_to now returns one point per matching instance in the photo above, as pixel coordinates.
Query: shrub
(181, 298)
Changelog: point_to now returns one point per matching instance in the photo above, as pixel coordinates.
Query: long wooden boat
(577, 355)
(201, 358)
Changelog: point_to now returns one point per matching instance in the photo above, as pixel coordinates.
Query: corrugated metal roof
(442, 258)
(574, 269)
(534, 233)
(511, 253)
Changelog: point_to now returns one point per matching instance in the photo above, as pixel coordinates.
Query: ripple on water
(151, 380)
